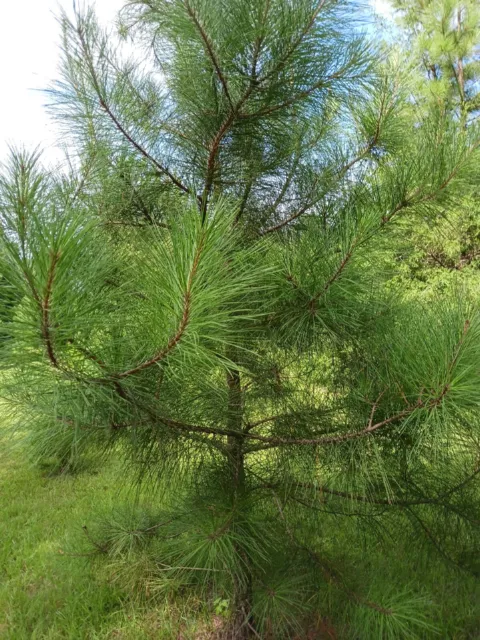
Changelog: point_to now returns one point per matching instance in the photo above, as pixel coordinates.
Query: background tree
(441, 40)
(446, 39)
(209, 297)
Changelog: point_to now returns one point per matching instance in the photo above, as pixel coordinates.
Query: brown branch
(243, 203)
(410, 199)
(465, 260)
(291, 218)
(462, 484)
(211, 161)
(341, 173)
(94, 358)
(293, 99)
(252, 425)
(175, 339)
(271, 442)
(357, 498)
(175, 424)
(235, 113)
(97, 545)
(402, 503)
(141, 99)
(310, 204)
(131, 223)
(46, 301)
(295, 215)
(215, 147)
(329, 573)
(293, 281)
(161, 169)
(258, 44)
(232, 116)
(437, 546)
(31, 284)
(285, 187)
(406, 202)
(458, 347)
(104, 105)
(138, 198)
(440, 262)
(172, 343)
(81, 183)
(333, 278)
(374, 408)
(367, 499)
(211, 53)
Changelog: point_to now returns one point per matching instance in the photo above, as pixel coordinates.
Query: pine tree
(446, 39)
(442, 42)
(206, 294)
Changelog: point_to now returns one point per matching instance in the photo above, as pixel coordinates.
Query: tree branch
(341, 173)
(437, 546)
(211, 53)
(409, 201)
(215, 147)
(334, 277)
(295, 44)
(47, 296)
(94, 358)
(293, 99)
(272, 442)
(161, 169)
(104, 105)
(328, 572)
(175, 339)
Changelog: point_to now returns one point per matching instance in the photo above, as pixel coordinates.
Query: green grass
(48, 592)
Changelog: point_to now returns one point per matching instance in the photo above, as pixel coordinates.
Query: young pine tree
(208, 296)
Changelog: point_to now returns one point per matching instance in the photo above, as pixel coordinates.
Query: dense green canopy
(209, 294)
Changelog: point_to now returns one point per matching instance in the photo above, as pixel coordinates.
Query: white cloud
(29, 40)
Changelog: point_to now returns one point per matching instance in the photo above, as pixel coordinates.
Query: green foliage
(441, 41)
(446, 35)
(213, 296)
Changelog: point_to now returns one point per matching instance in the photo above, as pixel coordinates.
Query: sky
(29, 40)
(29, 50)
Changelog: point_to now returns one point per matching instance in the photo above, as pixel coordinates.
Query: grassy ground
(49, 591)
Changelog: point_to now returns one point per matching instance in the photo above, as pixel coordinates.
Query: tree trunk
(242, 621)
(461, 77)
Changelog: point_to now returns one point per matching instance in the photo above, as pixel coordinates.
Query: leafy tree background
(214, 293)
(442, 42)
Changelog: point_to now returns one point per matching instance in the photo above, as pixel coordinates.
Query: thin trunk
(242, 622)
(461, 76)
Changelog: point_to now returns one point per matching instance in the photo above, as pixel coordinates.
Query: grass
(48, 590)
